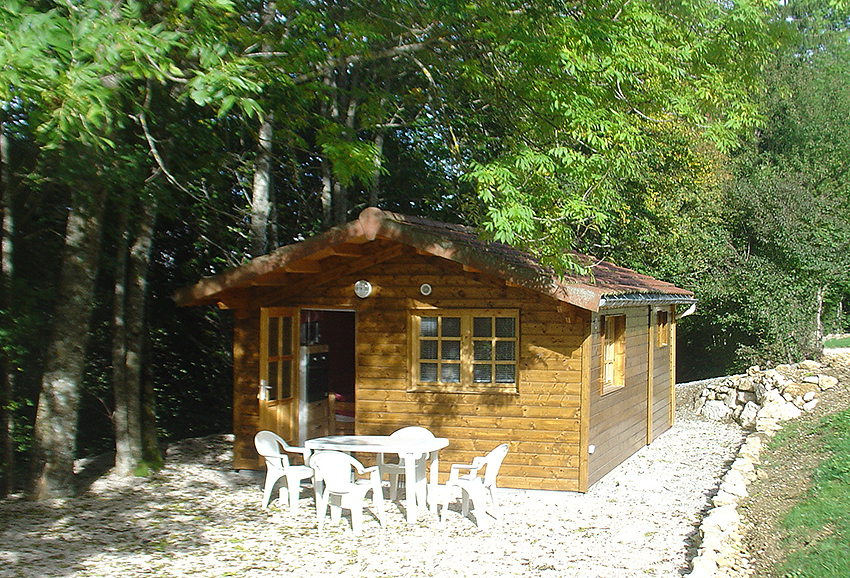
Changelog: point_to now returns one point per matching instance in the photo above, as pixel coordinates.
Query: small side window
(662, 326)
(613, 328)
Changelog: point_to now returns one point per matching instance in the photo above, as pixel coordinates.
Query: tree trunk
(125, 458)
(261, 198)
(55, 428)
(140, 256)
(150, 442)
(7, 376)
(327, 194)
(818, 336)
(129, 336)
(375, 189)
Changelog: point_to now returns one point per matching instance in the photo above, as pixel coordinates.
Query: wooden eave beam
(304, 266)
(347, 250)
(310, 282)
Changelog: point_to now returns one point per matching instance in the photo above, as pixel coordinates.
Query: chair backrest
(412, 432)
(334, 469)
(494, 462)
(272, 447)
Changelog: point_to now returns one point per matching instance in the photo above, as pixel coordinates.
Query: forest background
(146, 144)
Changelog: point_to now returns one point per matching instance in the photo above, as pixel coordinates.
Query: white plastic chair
(274, 449)
(475, 487)
(396, 469)
(336, 485)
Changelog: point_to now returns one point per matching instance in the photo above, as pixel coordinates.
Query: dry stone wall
(759, 401)
(769, 396)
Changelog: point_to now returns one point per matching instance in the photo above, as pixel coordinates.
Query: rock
(716, 410)
(736, 487)
(810, 405)
(779, 410)
(724, 498)
(747, 385)
(724, 519)
(811, 379)
(703, 568)
(827, 382)
(809, 365)
(747, 419)
(810, 395)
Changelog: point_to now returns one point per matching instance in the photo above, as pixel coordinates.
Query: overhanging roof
(345, 247)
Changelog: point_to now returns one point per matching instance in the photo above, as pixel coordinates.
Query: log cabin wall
(246, 371)
(618, 419)
(542, 421)
(663, 377)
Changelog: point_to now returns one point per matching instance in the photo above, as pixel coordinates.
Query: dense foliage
(701, 142)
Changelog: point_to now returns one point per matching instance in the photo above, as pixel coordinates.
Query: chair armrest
(454, 474)
(279, 456)
(306, 453)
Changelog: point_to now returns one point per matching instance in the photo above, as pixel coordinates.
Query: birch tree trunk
(261, 197)
(55, 428)
(7, 376)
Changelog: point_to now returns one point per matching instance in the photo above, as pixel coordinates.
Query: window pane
(428, 349)
(505, 351)
(428, 372)
(451, 327)
(505, 374)
(482, 350)
(286, 334)
(428, 327)
(505, 327)
(451, 350)
(482, 373)
(482, 327)
(274, 336)
(271, 392)
(285, 379)
(450, 373)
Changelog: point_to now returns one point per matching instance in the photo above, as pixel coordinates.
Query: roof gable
(350, 247)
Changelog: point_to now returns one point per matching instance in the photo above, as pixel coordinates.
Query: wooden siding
(618, 420)
(246, 370)
(542, 421)
(662, 383)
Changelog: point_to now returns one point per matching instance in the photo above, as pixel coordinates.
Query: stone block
(826, 382)
(747, 419)
(716, 410)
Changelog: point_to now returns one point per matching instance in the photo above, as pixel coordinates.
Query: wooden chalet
(417, 322)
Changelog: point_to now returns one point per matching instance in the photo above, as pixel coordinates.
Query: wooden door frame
(267, 313)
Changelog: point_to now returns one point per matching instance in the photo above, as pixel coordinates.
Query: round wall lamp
(425, 289)
(362, 288)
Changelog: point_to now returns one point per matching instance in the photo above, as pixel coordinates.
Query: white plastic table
(409, 450)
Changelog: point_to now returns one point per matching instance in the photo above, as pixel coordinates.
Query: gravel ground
(199, 518)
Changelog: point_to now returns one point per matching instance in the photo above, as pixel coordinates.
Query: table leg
(433, 486)
(410, 489)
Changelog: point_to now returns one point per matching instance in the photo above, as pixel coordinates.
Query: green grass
(837, 342)
(819, 526)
